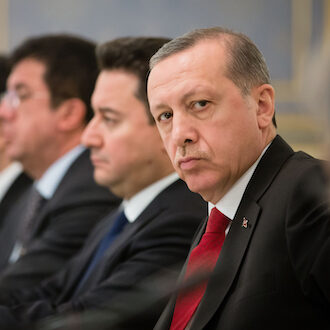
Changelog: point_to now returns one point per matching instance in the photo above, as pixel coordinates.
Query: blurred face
(28, 122)
(126, 149)
(211, 132)
(4, 159)
(2, 140)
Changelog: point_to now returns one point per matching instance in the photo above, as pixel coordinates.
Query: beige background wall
(4, 25)
(286, 31)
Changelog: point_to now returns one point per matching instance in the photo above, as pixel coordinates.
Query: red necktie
(203, 257)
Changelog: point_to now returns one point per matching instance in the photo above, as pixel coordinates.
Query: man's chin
(199, 185)
(99, 179)
(193, 186)
(14, 155)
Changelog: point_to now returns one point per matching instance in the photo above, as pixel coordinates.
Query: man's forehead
(202, 49)
(29, 63)
(26, 71)
(196, 66)
(206, 55)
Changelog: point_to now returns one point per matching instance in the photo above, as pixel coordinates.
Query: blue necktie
(116, 228)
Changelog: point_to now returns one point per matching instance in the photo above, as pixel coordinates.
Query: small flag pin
(245, 223)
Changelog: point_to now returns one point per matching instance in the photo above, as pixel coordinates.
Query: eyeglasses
(12, 99)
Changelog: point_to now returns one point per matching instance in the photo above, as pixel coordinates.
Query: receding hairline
(224, 37)
(244, 62)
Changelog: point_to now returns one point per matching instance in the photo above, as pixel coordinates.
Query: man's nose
(183, 130)
(91, 136)
(6, 113)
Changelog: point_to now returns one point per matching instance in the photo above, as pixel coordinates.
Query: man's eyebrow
(107, 110)
(161, 106)
(20, 87)
(195, 92)
(189, 94)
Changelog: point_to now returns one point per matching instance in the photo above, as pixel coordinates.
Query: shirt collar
(229, 203)
(8, 176)
(136, 205)
(50, 180)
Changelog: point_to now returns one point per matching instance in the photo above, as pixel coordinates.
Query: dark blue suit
(10, 207)
(60, 227)
(157, 241)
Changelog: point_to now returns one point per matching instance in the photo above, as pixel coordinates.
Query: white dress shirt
(136, 205)
(50, 180)
(48, 183)
(8, 176)
(229, 203)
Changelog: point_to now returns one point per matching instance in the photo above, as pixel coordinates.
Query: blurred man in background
(151, 231)
(13, 181)
(44, 112)
(4, 72)
(9, 170)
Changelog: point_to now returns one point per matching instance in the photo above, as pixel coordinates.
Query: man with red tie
(266, 243)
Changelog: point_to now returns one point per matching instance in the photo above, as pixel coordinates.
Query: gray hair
(246, 66)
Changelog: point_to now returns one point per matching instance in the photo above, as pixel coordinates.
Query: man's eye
(109, 120)
(201, 104)
(23, 96)
(165, 116)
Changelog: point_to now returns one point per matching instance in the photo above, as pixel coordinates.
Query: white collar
(8, 176)
(50, 180)
(136, 205)
(229, 203)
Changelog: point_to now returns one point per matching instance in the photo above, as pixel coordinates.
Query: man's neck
(4, 162)
(37, 167)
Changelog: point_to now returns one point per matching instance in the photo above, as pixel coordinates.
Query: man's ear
(71, 114)
(264, 96)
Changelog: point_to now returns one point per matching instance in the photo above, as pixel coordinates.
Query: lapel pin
(245, 223)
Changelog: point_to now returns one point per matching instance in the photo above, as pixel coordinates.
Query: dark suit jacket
(275, 274)
(61, 226)
(158, 239)
(9, 203)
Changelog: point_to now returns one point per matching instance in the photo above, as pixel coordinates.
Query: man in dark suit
(13, 181)
(210, 94)
(152, 230)
(17, 184)
(43, 113)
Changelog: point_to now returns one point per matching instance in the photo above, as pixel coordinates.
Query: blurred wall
(4, 13)
(285, 30)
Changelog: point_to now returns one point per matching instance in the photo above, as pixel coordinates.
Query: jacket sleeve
(61, 235)
(135, 290)
(308, 235)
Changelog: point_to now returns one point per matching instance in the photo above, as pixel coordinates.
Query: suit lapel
(144, 218)
(13, 194)
(153, 210)
(88, 251)
(118, 245)
(43, 214)
(228, 263)
(241, 232)
(38, 221)
(165, 319)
